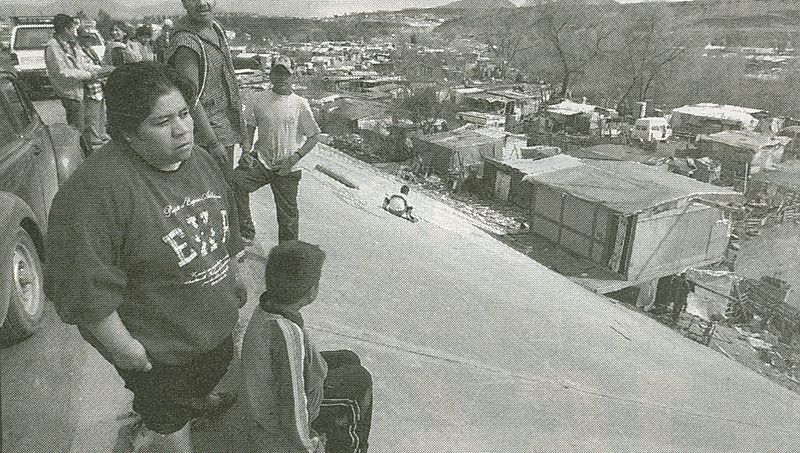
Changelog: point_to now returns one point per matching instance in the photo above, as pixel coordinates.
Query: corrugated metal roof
(458, 138)
(626, 187)
(356, 109)
(486, 97)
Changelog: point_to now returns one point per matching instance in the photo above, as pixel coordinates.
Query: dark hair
(122, 26)
(293, 268)
(61, 22)
(404, 190)
(132, 90)
(144, 30)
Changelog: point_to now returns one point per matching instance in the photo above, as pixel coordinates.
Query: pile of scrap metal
(765, 298)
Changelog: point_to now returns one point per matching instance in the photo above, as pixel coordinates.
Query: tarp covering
(625, 187)
(783, 175)
(746, 139)
(729, 113)
(536, 166)
(568, 108)
(709, 297)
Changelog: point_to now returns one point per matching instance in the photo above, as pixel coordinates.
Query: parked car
(34, 159)
(29, 37)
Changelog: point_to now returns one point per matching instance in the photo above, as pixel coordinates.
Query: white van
(651, 129)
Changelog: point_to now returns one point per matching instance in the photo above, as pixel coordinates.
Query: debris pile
(763, 300)
(355, 146)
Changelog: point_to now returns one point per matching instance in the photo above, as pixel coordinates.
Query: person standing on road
(68, 69)
(95, 129)
(161, 43)
(287, 132)
(115, 47)
(199, 50)
(139, 48)
(141, 250)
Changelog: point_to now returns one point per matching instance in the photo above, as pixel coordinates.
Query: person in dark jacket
(199, 50)
(115, 47)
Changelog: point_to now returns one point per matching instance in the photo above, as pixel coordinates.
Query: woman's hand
(126, 351)
(132, 356)
(239, 287)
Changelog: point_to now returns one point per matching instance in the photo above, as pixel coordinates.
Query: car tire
(27, 299)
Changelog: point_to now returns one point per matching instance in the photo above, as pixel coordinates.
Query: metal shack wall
(583, 227)
(667, 242)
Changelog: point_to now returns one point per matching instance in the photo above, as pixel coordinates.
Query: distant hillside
(479, 4)
(116, 8)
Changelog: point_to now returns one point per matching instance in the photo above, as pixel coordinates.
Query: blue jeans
(248, 179)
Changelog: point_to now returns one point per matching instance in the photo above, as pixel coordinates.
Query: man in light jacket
(68, 69)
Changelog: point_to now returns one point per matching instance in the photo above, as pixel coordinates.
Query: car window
(15, 106)
(32, 38)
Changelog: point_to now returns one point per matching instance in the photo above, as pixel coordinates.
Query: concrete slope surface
(477, 348)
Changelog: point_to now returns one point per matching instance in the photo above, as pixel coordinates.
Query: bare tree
(570, 34)
(648, 43)
(505, 34)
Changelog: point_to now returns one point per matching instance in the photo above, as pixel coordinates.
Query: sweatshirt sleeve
(82, 274)
(292, 401)
(272, 366)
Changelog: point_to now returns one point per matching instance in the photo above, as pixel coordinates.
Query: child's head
(404, 190)
(292, 272)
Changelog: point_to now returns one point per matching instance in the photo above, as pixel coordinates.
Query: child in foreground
(295, 403)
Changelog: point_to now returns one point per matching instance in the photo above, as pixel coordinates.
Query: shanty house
(505, 177)
(707, 118)
(576, 117)
(742, 152)
(454, 152)
(635, 220)
(346, 115)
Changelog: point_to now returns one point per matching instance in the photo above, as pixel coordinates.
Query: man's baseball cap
(283, 60)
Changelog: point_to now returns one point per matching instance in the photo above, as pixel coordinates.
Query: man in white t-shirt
(287, 131)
